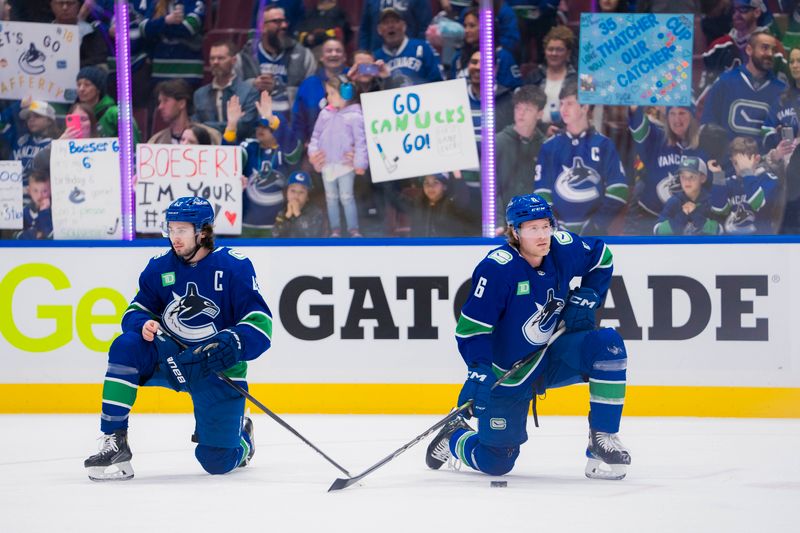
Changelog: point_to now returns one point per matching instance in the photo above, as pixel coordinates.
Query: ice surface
(688, 474)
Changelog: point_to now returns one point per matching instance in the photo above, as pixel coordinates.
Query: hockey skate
(113, 462)
(607, 456)
(439, 449)
(247, 427)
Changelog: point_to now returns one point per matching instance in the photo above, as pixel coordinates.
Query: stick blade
(342, 483)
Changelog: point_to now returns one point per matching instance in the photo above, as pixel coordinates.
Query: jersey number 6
(480, 287)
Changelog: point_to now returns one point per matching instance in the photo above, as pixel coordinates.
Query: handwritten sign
(636, 59)
(166, 172)
(10, 195)
(85, 188)
(39, 61)
(419, 130)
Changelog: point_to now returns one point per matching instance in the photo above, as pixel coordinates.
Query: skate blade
(597, 469)
(122, 472)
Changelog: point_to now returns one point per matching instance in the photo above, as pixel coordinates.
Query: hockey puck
(494, 484)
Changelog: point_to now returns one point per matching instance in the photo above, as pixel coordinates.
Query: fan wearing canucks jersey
(580, 173)
(198, 312)
(522, 309)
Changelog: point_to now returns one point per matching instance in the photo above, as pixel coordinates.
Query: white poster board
(85, 186)
(40, 61)
(10, 195)
(166, 172)
(419, 130)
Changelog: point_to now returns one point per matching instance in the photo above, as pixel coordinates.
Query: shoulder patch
(563, 237)
(237, 255)
(162, 254)
(501, 256)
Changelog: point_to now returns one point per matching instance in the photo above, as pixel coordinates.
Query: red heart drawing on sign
(231, 217)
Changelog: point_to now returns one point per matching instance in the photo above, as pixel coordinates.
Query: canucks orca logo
(32, 60)
(740, 221)
(267, 187)
(540, 326)
(668, 186)
(579, 184)
(190, 316)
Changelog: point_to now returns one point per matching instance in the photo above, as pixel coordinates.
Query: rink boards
(369, 328)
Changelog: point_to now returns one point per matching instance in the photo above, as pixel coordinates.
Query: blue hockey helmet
(192, 209)
(528, 207)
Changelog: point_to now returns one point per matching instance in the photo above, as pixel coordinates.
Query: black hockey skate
(439, 449)
(248, 428)
(607, 456)
(113, 462)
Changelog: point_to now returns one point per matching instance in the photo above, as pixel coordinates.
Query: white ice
(688, 474)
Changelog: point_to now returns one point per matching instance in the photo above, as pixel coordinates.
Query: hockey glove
(168, 350)
(477, 388)
(578, 314)
(219, 353)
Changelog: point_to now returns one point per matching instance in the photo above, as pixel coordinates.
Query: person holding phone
(81, 122)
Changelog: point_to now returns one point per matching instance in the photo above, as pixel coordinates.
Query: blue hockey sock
(244, 444)
(607, 379)
(119, 394)
(462, 442)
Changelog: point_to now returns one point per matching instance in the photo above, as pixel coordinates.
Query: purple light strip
(486, 19)
(262, 4)
(123, 53)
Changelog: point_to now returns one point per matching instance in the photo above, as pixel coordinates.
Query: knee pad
(124, 348)
(495, 461)
(606, 351)
(217, 460)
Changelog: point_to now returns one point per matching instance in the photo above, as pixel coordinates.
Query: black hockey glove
(578, 314)
(219, 353)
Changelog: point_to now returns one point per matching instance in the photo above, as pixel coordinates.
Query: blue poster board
(636, 59)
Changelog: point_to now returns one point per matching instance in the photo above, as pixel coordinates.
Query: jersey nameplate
(501, 256)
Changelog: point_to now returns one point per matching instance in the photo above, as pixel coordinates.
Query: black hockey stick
(343, 483)
(263, 407)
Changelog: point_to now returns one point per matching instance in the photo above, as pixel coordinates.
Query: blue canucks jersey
(747, 204)
(515, 308)
(414, 59)
(740, 103)
(583, 179)
(194, 302)
(266, 172)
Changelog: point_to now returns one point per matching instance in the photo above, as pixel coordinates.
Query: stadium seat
(576, 7)
(234, 14)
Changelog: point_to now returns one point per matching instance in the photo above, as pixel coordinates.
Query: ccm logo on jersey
(174, 367)
(582, 302)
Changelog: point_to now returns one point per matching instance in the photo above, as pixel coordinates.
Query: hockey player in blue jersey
(580, 173)
(209, 300)
(520, 295)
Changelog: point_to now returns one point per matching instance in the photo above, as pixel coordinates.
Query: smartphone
(74, 123)
(787, 133)
(368, 69)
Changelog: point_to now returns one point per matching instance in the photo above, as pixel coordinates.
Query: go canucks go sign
(38, 61)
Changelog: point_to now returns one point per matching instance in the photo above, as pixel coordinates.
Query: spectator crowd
(283, 80)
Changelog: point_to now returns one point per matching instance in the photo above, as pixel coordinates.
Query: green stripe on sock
(606, 392)
(119, 392)
(245, 450)
(462, 441)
